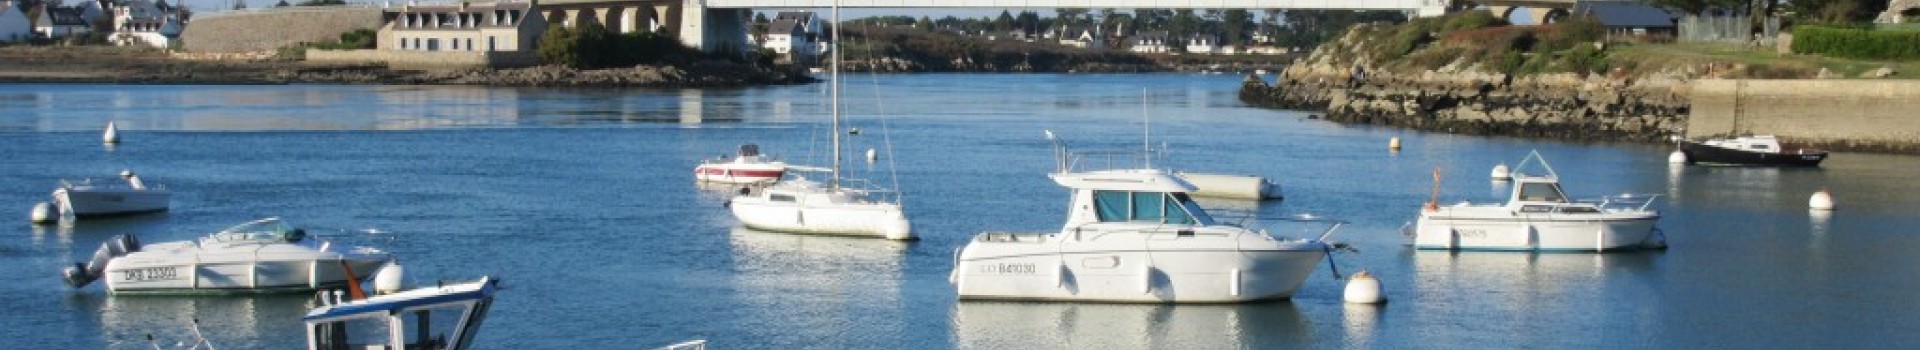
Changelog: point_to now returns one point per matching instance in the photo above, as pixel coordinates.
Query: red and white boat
(746, 168)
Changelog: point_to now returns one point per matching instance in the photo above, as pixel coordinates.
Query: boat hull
(1596, 232)
(879, 220)
(211, 275)
(1151, 271)
(738, 173)
(107, 202)
(1701, 153)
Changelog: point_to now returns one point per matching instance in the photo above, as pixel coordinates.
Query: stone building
(497, 27)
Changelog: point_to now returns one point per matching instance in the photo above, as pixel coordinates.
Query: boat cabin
(445, 317)
(1131, 196)
(1542, 194)
(1756, 143)
(268, 230)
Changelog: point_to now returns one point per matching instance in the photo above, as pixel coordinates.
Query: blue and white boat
(441, 317)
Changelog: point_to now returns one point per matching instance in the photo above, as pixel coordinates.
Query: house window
(456, 44)
(433, 44)
(490, 44)
(469, 44)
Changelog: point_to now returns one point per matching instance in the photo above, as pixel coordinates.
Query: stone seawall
(1559, 106)
(1840, 115)
(272, 28)
(425, 59)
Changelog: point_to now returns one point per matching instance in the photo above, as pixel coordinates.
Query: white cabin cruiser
(831, 208)
(1538, 217)
(747, 167)
(263, 256)
(85, 199)
(441, 317)
(1134, 235)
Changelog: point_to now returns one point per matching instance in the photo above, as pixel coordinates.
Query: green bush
(592, 46)
(352, 40)
(1856, 43)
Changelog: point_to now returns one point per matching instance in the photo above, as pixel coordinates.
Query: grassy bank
(1760, 62)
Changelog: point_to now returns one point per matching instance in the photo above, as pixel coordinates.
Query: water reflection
(1361, 323)
(1033, 325)
(227, 322)
(1540, 283)
(826, 283)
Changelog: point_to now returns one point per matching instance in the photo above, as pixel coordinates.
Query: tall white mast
(834, 80)
(1146, 130)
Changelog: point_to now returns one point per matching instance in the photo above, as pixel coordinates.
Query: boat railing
(1097, 160)
(1271, 225)
(873, 191)
(1623, 202)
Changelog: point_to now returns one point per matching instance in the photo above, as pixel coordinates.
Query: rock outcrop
(1567, 106)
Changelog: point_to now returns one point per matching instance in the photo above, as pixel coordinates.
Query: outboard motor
(80, 274)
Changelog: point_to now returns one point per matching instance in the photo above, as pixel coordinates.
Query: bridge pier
(713, 29)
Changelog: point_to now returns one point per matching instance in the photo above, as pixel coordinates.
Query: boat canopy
(749, 150)
(1159, 207)
(445, 317)
(1136, 180)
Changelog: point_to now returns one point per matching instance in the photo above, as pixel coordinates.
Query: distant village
(122, 22)
(800, 35)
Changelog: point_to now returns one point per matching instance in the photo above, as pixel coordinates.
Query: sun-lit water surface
(582, 201)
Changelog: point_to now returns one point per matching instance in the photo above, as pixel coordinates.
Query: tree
(1235, 23)
(283, 3)
(321, 2)
(239, 4)
(559, 46)
(1070, 16)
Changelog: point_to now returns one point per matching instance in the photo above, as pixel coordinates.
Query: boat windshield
(1541, 192)
(262, 230)
(1158, 207)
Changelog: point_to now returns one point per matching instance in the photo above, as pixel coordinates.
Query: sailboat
(830, 208)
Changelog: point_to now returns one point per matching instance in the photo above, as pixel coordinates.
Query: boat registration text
(1008, 269)
(150, 274)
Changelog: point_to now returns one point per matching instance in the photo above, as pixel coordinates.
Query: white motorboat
(1538, 217)
(832, 208)
(86, 199)
(263, 256)
(1134, 235)
(747, 167)
(442, 317)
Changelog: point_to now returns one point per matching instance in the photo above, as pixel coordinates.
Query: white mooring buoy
(1821, 200)
(43, 212)
(388, 280)
(1676, 157)
(1393, 143)
(112, 135)
(1362, 288)
(872, 155)
(1501, 173)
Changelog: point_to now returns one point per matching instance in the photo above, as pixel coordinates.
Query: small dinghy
(263, 256)
(86, 199)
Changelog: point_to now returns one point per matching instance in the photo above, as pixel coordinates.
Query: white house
(141, 21)
(59, 22)
(1085, 37)
(1149, 41)
(1203, 44)
(794, 35)
(13, 23)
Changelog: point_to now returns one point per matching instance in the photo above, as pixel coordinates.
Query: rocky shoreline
(1558, 106)
(110, 65)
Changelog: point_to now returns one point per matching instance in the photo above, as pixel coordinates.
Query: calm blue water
(582, 201)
